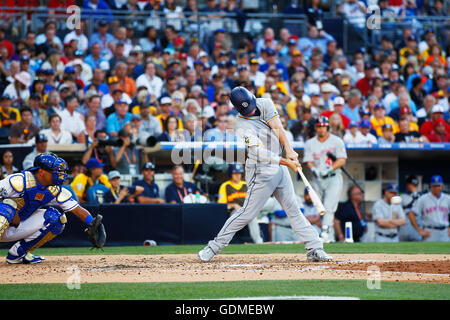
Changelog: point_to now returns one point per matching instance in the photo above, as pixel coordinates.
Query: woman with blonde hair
(336, 125)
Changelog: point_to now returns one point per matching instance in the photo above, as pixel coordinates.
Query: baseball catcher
(27, 215)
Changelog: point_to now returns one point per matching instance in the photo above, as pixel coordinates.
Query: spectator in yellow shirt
(233, 193)
(93, 175)
(379, 119)
(8, 114)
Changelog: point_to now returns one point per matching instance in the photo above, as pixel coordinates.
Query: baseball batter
(328, 180)
(266, 173)
(433, 207)
(21, 218)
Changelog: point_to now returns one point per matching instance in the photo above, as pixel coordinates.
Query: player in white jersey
(433, 207)
(388, 216)
(328, 180)
(266, 173)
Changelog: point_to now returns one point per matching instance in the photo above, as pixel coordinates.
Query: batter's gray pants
(262, 182)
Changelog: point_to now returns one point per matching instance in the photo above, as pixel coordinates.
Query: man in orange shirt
(126, 84)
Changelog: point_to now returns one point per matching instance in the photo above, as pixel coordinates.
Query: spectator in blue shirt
(117, 120)
(120, 194)
(271, 62)
(351, 109)
(104, 39)
(314, 39)
(179, 189)
(151, 189)
(95, 58)
(98, 9)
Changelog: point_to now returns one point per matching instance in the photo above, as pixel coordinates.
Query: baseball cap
(353, 124)
(392, 187)
(404, 110)
(368, 66)
(296, 53)
(147, 166)
(94, 163)
(136, 116)
(437, 109)
(411, 38)
(379, 105)
(314, 89)
(339, 101)
(63, 86)
(236, 167)
(365, 123)
(113, 174)
(345, 82)
(183, 55)
(103, 23)
(387, 126)
(122, 101)
(202, 54)
(338, 71)
(327, 88)
(69, 69)
(270, 52)
(166, 100)
(436, 180)
(113, 79)
(254, 61)
(243, 67)
(40, 137)
(412, 179)
(292, 42)
(222, 64)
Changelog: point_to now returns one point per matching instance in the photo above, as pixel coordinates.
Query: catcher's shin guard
(53, 225)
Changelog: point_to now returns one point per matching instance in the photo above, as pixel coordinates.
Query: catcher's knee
(8, 209)
(54, 220)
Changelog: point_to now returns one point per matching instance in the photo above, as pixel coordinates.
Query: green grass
(401, 247)
(217, 290)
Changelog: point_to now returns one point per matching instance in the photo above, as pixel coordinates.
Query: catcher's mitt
(96, 232)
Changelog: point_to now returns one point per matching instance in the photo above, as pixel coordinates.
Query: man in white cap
(338, 106)
(437, 112)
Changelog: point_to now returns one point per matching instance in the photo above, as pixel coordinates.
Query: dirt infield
(227, 267)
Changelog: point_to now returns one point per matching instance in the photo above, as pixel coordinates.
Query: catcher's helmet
(322, 121)
(235, 168)
(55, 165)
(243, 100)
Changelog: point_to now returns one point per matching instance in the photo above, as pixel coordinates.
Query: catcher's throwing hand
(96, 232)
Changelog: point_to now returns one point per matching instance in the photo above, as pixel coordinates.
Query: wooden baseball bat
(314, 197)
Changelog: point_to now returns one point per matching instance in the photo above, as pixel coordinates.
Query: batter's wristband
(88, 220)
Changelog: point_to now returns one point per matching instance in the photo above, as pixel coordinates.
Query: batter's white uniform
(327, 188)
(434, 213)
(265, 177)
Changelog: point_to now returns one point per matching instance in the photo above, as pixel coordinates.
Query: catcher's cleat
(317, 255)
(29, 258)
(206, 254)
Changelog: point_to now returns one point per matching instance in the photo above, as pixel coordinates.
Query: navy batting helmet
(322, 121)
(55, 165)
(243, 100)
(235, 168)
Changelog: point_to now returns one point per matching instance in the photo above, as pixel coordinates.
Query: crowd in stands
(118, 90)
